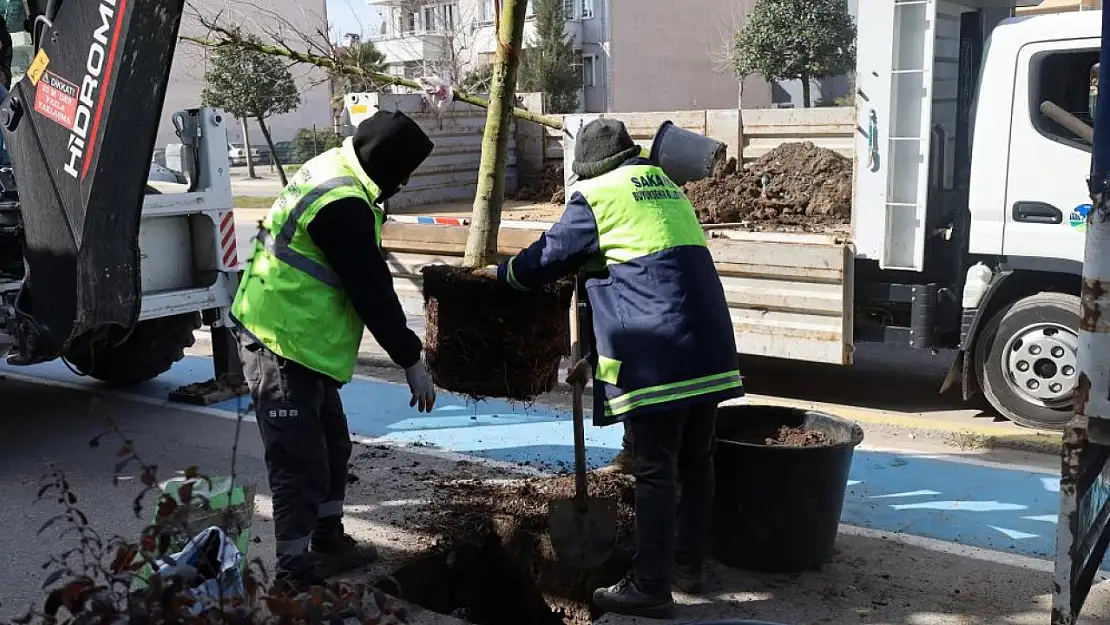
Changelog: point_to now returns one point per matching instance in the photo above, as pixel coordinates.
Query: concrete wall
(450, 174)
(187, 73)
(666, 57)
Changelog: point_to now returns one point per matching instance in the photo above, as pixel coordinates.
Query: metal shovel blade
(583, 537)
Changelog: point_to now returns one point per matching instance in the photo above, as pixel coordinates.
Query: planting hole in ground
(499, 530)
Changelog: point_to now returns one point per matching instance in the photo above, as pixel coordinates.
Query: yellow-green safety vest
(290, 299)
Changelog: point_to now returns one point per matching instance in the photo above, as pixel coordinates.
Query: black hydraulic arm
(81, 126)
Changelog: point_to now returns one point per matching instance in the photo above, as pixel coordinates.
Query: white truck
(972, 152)
(96, 266)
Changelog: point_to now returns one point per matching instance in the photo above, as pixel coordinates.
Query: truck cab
(971, 194)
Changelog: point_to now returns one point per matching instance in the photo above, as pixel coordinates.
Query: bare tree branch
(222, 36)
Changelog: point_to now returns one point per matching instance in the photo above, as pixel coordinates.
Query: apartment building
(187, 72)
(625, 48)
(453, 37)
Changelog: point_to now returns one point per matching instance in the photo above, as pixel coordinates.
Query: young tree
(788, 40)
(481, 241)
(549, 65)
(250, 85)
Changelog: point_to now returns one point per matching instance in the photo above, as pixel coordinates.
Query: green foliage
(246, 83)
(306, 147)
(367, 57)
(788, 40)
(550, 66)
(477, 80)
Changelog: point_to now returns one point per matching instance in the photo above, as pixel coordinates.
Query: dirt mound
(471, 513)
(794, 187)
(547, 186)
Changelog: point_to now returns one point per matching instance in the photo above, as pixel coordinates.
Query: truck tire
(150, 351)
(1027, 360)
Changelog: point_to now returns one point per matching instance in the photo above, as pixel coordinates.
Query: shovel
(583, 529)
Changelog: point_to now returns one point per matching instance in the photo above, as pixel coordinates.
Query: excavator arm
(81, 127)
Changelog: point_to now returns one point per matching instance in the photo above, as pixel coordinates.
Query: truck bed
(789, 294)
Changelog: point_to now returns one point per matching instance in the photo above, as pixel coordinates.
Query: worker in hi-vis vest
(663, 351)
(316, 277)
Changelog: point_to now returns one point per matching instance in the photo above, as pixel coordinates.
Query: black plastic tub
(777, 508)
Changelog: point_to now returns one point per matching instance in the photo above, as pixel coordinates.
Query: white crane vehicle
(96, 266)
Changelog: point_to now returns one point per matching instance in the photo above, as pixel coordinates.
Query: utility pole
(1093, 392)
(1083, 526)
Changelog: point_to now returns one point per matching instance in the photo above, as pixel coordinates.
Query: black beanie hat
(602, 146)
(390, 146)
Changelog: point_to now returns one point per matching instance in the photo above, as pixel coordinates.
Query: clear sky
(353, 16)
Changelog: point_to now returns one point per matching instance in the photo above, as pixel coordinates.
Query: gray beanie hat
(602, 146)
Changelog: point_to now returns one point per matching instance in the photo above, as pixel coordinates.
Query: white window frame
(587, 9)
(486, 9)
(589, 60)
(570, 7)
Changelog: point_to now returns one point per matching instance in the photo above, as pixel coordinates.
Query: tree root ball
(486, 339)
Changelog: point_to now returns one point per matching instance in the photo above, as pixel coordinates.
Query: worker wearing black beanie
(390, 146)
(316, 278)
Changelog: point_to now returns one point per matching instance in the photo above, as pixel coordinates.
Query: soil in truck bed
(796, 187)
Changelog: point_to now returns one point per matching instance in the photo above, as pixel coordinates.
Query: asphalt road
(45, 427)
(930, 537)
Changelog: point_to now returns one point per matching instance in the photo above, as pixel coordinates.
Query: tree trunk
(481, 243)
(243, 121)
(805, 90)
(273, 153)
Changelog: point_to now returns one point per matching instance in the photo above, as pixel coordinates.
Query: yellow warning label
(358, 108)
(38, 66)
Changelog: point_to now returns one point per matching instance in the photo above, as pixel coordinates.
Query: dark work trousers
(304, 432)
(668, 447)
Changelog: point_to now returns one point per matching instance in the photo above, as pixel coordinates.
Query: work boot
(621, 464)
(338, 553)
(688, 579)
(626, 598)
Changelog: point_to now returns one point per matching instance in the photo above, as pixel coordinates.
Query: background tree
(478, 79)
(306, 144)
(792, 40)
(249, 85)
(366, 56)
(549, 65)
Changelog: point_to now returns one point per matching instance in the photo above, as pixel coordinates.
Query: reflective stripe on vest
(664, 393)
(281, 248)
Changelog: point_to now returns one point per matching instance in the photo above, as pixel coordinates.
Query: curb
(959, 434)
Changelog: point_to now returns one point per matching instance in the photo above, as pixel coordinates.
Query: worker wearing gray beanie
(602, 146)
(662, 349)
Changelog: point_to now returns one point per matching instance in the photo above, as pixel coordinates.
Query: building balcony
(410, 46)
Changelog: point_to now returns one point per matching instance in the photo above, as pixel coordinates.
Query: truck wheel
(150, 351)
(1027, 360)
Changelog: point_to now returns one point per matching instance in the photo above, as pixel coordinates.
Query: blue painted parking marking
(1006, 509)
